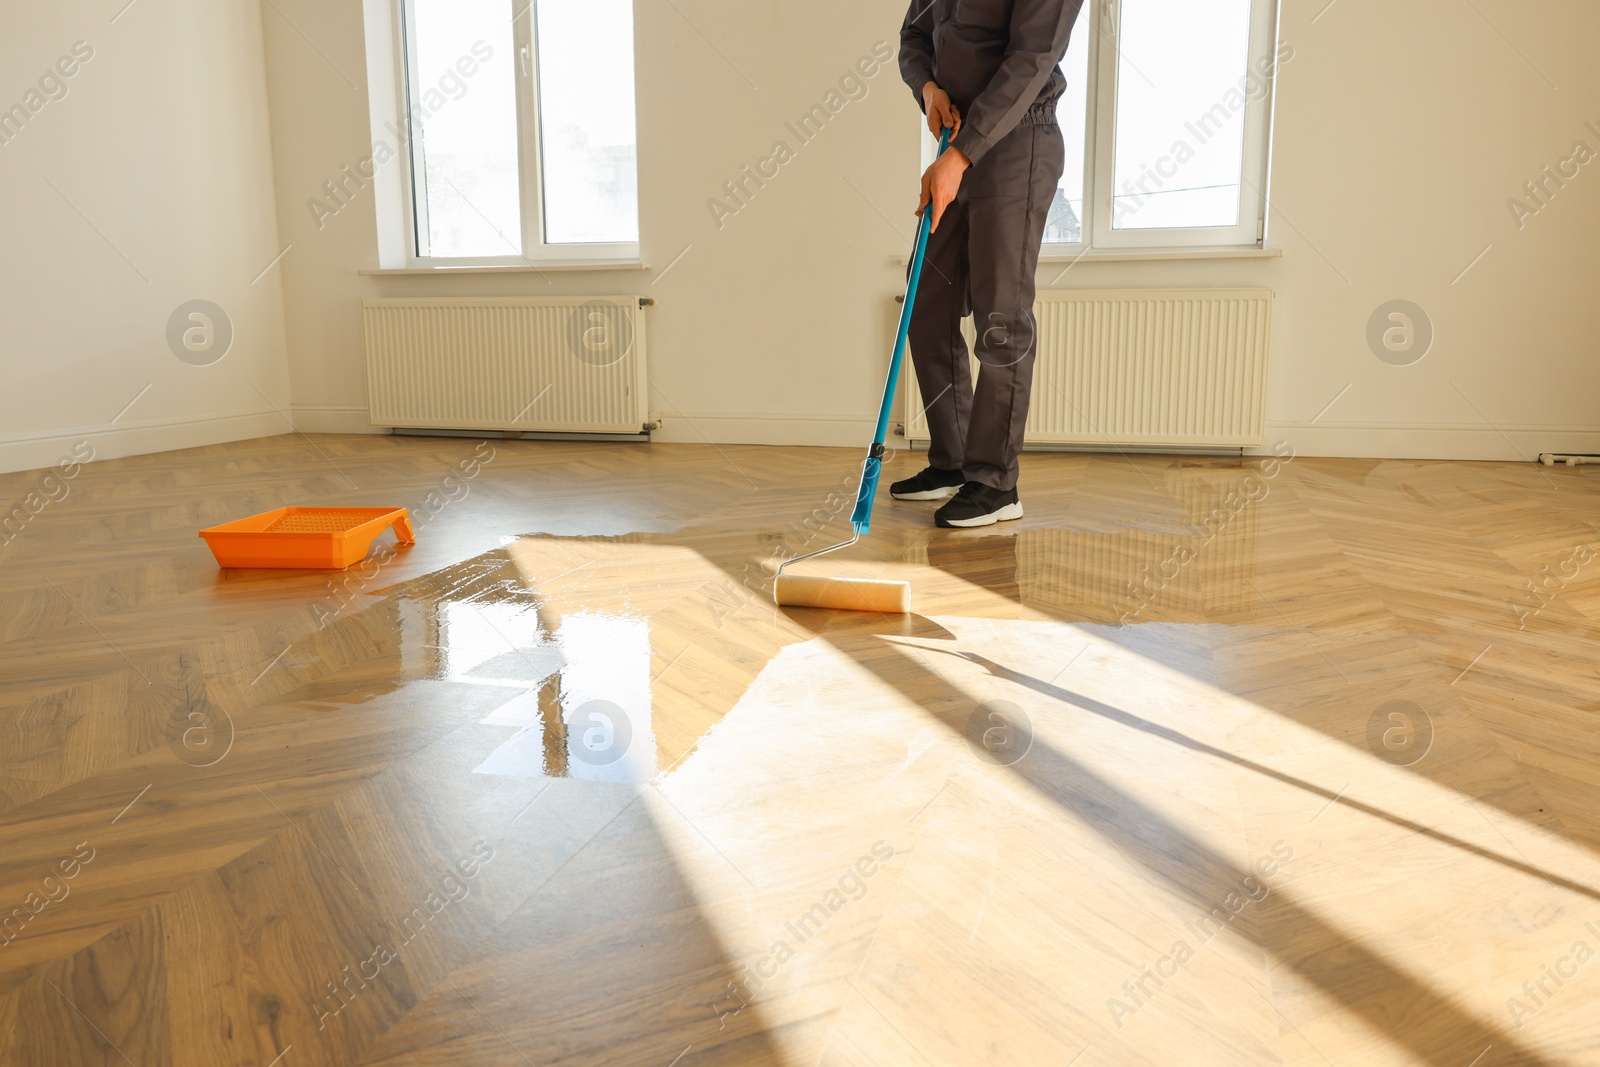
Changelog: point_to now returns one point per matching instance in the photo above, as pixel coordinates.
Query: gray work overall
(999, 62)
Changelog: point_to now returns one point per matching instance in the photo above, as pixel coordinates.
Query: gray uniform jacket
(996, 59)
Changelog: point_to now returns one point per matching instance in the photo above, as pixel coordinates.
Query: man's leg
(938, 350)
(1007, 203)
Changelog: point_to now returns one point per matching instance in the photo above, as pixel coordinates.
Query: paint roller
(865, 594)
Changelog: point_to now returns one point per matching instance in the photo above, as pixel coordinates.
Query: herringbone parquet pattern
(1202, 762)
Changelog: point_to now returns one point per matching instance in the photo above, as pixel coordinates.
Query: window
(1166, 124)
(523, 146)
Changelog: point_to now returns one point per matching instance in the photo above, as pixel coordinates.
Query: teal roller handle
(861, 518)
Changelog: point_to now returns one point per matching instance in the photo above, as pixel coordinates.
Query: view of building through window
(489, 92)
(1173, 127)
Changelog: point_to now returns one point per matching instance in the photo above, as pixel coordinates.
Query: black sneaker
(931, 484)
(978, 505)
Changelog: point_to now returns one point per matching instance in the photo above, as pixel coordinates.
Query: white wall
(1402, 130)
(147, 185)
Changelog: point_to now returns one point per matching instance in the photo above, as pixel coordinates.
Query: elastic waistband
(1040, 114)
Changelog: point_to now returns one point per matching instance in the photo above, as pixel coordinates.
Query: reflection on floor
(1204, 762)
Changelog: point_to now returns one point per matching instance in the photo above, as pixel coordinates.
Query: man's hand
(941, 112)
(941, 181)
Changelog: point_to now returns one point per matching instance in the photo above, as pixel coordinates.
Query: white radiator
(561, 365)
(1142, 368)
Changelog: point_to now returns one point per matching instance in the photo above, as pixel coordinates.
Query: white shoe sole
(930, 494)
(1005, 514)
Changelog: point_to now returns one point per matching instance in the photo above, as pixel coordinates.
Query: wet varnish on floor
(1206, 761)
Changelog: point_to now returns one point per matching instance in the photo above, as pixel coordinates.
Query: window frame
(536, 251)
(1099, 160)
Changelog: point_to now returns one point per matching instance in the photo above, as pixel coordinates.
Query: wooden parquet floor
(1203, 762)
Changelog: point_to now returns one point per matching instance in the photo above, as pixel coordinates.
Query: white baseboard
(23, 452)
(330, 418)
(693, 427)
(1511, 443)
(1373, 440)
(1377, 440)
(1367, 440)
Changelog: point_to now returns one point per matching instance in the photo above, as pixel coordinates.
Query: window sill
(1141, 255)
(530, 268)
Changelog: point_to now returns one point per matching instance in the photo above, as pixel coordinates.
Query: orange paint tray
(305, 538)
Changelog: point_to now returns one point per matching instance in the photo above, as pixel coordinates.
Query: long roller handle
(872, 467)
